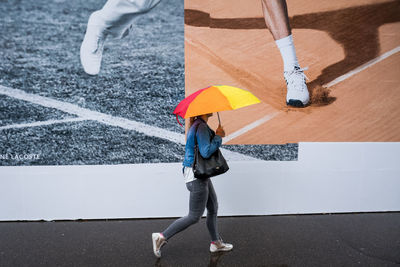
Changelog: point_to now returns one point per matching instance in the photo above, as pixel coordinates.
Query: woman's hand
(220, 131)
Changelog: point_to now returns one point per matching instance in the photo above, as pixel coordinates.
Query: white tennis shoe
(92, 45)
(297, 91)
(220, 246)
(158, 241)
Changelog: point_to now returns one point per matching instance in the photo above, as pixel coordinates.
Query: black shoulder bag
(204, 168)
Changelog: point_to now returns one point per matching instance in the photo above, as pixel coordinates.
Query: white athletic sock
(288, 53)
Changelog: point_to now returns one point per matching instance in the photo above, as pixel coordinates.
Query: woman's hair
(191, 120)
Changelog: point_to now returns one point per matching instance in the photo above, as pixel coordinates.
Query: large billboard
(53, 112)
(351, 49)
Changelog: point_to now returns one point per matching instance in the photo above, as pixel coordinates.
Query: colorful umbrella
(213, 99)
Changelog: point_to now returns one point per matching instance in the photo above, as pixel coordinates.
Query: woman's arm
(207, 146)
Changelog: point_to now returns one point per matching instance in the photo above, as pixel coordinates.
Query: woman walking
(202, 193)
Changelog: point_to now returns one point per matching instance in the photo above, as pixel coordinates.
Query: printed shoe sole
(295, 103)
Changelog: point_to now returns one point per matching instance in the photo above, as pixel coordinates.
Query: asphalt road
(367, 239)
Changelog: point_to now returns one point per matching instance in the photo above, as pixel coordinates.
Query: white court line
(39, 123)
(249, 127)
(93, 115)
(109, 120)
(362, 67)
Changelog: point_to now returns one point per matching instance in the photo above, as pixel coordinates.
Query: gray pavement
(366, 239)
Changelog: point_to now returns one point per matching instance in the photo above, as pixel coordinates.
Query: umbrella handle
(219, 120)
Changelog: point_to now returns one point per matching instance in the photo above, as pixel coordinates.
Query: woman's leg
(276, 18)
(116, 16)
(212, 212)
(199, 191)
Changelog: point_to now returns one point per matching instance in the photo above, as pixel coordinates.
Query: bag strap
(195, 145)
(195, 133)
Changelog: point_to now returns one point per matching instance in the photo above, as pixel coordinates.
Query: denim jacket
(206, 139)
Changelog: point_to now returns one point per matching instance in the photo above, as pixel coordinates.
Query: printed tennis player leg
(277, 20)
(113, 20)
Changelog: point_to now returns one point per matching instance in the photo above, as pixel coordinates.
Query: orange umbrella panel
(208, 101)
(214, 99)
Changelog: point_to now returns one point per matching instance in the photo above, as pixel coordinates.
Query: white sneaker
(158, 242)
(92, 45)
(220, 246)
(297, 91)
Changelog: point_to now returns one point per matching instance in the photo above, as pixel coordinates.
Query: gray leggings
(202, 195)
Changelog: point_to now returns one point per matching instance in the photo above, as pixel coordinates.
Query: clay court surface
(352, 49)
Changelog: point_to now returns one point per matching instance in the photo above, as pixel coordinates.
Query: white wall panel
(329, 177)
